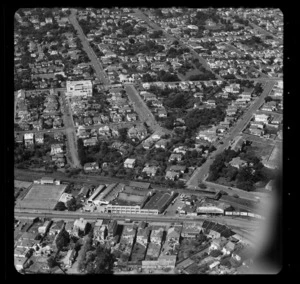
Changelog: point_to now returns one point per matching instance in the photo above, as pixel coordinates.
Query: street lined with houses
(202, 172)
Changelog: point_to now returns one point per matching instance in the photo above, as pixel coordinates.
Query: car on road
(229, 188)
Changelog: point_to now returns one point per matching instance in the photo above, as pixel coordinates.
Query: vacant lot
(42, 196)
(261, 150)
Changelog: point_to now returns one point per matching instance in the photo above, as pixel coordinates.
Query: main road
(90, 52)
(202, 172)
(229, 221)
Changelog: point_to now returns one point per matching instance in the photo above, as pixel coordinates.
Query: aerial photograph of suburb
(146, 140)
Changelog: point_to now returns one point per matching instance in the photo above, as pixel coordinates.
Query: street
(86, 46)
(70, 132)
(201, 172)
(140, 107)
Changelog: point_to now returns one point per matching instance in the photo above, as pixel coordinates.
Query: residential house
(45, 227)
(175, 157)
(214, 234)
(178, 169)
(56, 227)
(256, 131)
(231, 111)
(172, 175)
(56, 149)
(190, 230)
(139, 132)
(150, 171)
(261, 117)
(211, 103)
(228, 248)
(91, 167)
(270, 106)
(131, 117)
(90, 142)
(28, 139)
(80, 225)
(129, 163)
(218, 243)
(161, 144)
(238, 162)
(162, 113)
(19, 138)
(148, 143)
(257, 124)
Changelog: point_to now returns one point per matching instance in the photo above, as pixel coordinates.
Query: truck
(127, 221)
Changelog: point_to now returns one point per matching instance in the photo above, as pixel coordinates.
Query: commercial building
(79, 88)
(119, 209)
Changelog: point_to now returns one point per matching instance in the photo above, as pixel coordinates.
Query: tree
(51, 261)
(131, 40)
(123, 134)
(60, 206)
(104, 261)
(62, 239)
(268, 99)
(202, 185)
(73, 204)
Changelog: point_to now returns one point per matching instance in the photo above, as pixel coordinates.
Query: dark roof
(145, 185)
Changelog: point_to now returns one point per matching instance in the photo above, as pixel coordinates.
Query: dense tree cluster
(201, 17)
(95, 260)
(204, 117)
(178, 100)
(60, 206)
(150, 47)
(244, 177)
(62, 239)
(99, 153)
(175, 52)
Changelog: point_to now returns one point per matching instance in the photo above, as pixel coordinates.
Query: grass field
(25, 184)
(42, 196)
